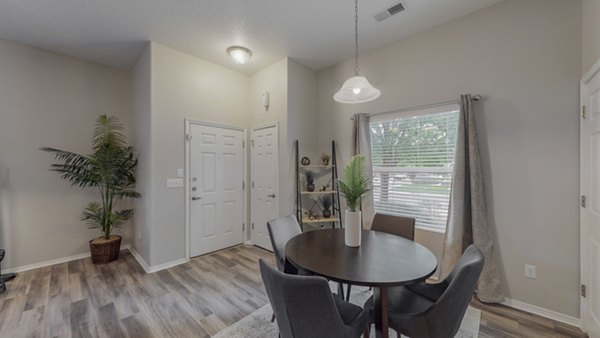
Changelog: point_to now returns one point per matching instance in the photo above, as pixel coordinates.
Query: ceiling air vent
(395, 9)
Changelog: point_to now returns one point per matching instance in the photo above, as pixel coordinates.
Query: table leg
(380, 300)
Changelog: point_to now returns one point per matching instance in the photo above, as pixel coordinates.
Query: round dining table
(381, 261)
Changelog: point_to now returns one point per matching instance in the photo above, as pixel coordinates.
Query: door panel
(590, 129)
(216, 176)
(265, 183)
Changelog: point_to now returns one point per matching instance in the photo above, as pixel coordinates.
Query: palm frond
(111, 167)
(108, 131)
(354, 183)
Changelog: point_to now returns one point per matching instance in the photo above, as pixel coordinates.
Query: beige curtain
(467, 214)
(362, 145)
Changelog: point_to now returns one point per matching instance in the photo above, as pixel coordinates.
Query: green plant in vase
(326, 202)
(110, 168)
(353, 185)
(310, 180)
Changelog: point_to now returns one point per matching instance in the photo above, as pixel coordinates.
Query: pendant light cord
(356, 38)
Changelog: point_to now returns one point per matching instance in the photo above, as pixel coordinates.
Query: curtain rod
(475, 98)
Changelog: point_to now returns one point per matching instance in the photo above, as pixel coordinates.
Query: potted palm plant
(110, 168)
(353, 185)
(326, 202)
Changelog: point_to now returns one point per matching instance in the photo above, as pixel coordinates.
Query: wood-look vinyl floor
(195, 299)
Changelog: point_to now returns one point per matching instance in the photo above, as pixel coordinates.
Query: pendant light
(356, 89)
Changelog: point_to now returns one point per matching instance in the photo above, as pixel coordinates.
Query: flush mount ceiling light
(356, 89)
(239, 54)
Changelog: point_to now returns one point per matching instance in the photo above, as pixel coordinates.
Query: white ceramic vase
(353, 228)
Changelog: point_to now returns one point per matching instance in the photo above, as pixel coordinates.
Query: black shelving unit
(303, 213)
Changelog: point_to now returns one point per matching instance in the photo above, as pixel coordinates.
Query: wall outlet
(530, 271)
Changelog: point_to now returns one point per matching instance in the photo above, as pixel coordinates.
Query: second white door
(216, 188)
(265, 183)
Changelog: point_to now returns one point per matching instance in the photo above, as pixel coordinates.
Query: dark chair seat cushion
(404, 308)
(348, 311)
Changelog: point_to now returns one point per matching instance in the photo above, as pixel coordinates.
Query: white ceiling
(317, 33)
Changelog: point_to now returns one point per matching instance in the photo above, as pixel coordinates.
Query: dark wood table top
(381, 260)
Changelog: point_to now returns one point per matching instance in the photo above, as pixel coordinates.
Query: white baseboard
(540, 311)
(151, 269)
(139, 259)
(50, 262)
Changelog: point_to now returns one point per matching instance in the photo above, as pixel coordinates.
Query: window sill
(437, 231)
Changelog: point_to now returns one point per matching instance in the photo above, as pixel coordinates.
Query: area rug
(258, 323)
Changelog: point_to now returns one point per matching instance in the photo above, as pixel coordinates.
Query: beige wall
(183, 87)
(274, 80)
(591, 34)
(292, 89)
(49, 100)
(528, 68)
(141, 121)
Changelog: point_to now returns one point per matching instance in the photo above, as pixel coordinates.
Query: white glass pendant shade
(356, 89)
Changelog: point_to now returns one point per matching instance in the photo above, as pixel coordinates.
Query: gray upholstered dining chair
(281, 230)
(305, 307)
(395, 225)
(434, 310)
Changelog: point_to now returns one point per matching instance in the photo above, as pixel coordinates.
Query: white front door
(265, 183)
(216, 191)
(590, 209)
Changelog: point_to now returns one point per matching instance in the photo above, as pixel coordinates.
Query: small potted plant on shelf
(310, 181)
(353, 185)
(326, 202)
(325, 158)
(110, 168)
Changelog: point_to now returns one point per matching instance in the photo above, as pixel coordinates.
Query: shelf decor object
(317, 201)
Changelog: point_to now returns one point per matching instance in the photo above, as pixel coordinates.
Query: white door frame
(583, 190)
(259, 127)
(186, 136)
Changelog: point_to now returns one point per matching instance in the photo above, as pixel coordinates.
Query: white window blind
(412, 157)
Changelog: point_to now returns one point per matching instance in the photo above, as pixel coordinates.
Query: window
(412, 157)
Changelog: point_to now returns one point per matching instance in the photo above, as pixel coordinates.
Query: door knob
(196, 198)
(272, 196)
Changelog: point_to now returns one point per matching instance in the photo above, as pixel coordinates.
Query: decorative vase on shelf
(353, 229)
(326, 213)
(310, 187)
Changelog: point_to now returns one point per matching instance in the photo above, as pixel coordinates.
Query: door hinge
(252, 142)
(583, 112)
(243, 226)
(583, 201)
(188, 137)
(582, 290)
(252, 225)
(243, 185)
(252, 184)
(243, 144)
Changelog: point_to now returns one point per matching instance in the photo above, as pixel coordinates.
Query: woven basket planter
(105, 250)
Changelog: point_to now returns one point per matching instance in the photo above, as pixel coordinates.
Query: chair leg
(341, 290)
(273, 318)
(367, 331)
(348, 292)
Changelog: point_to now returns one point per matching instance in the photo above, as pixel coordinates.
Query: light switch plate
(174, 182)
(530, 271)
(180, 173)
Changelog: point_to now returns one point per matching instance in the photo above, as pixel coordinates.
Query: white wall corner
(543, 312)
(151, 269)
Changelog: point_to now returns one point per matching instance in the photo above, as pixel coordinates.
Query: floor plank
(195, 299)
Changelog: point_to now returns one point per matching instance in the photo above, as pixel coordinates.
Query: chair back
(303, 305)
(281, 230)
(395, 225)
(446, 314)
